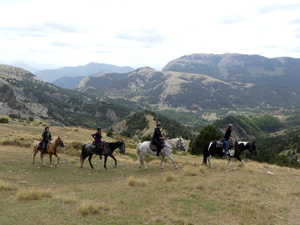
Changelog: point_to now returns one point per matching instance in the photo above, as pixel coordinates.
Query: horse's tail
(205, 152)
(82, 157)
(138, 154)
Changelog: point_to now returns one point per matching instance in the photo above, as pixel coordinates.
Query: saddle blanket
(230, 152)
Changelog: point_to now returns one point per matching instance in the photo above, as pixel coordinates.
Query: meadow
(192, 194)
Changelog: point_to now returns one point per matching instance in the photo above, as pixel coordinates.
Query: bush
(209, 133)
(3, 120)
(109, 133)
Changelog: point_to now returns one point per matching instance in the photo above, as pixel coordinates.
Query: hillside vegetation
(139, 123)
(193, 194)
(23, 93)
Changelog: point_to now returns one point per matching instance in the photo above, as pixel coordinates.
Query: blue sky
(140, 33)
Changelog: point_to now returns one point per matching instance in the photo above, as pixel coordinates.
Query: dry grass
(132, 181)
(28, 194)
(190, 171)
(192, 194)
(91, 208)
(5, 186)
(170, 177)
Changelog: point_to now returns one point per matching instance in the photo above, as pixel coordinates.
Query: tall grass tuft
(131, 181)
(91, 208)
(170, 177)
(5, 186)
(190, 171)
(28, 194)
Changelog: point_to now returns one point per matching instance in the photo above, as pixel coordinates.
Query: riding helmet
(158, 124)
(230, 125)
(99, 128)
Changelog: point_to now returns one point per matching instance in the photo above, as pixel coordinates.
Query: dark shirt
(97, 136)
(156, 135)
(227, 134)
(46, 136)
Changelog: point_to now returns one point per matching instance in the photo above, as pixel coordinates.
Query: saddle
(153, 147)
(231, 150)
(96, 150)
(40, 146)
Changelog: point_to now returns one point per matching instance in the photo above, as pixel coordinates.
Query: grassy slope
(190, 195)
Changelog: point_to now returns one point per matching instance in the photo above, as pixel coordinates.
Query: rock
(269, 172)
(23, 182)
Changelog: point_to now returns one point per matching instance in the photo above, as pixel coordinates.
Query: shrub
(28, 194)
(90, 208)
(5, 186)
(3, 120)
(109, 133)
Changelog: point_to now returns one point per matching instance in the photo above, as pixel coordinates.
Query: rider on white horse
(157, 139)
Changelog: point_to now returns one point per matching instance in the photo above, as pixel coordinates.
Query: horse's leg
(114, 159)
(105, 159)
(161, 162)
(170, 157)
(33, 156)
(209, 158)
(228, 161)
(43, 161)
(50, 156)
(142, 161)
(90, 157)
(57, 159)
(82, 158)
(238, 158)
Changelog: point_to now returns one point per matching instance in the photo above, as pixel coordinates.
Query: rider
(46, 139)
(157, 138)
(99, 144)
(227, 137)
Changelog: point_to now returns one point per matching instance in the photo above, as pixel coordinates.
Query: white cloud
(141, 32)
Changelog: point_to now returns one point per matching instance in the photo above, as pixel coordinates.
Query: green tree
(209, 133)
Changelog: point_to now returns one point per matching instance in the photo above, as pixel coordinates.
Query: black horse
(89, 149)
(212, 148)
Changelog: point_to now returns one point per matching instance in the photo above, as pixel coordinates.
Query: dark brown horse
(89, 149)
(51, 150)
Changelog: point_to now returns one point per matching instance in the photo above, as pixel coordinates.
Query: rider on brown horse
(46, 139)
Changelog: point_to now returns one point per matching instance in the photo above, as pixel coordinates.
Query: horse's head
(122, 147)
(252, 148)
(181, 144)
(60, 142)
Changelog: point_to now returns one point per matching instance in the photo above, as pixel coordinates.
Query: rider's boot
(42, 153)
(157, 153)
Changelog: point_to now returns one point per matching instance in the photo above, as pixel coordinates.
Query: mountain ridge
(85, 70)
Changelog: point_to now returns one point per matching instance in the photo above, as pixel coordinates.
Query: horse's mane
(173, 142)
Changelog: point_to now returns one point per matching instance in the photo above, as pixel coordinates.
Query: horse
(210, 148)
(51, 150)
(87, 151)
(144, 147)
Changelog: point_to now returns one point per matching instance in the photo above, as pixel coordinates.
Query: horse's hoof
(176, 167)
(51, 166)
(145, 168)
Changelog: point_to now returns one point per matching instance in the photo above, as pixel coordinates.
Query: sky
(141, 33)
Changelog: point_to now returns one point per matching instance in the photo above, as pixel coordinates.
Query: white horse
(144, 147)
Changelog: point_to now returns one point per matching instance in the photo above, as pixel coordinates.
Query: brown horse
(51, 150)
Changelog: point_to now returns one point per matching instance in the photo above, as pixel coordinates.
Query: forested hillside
(23, 93)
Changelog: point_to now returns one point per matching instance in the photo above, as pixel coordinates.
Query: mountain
(24, 94)
(191, 92)
(68, 82)
(239, 67)
(86, 70)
